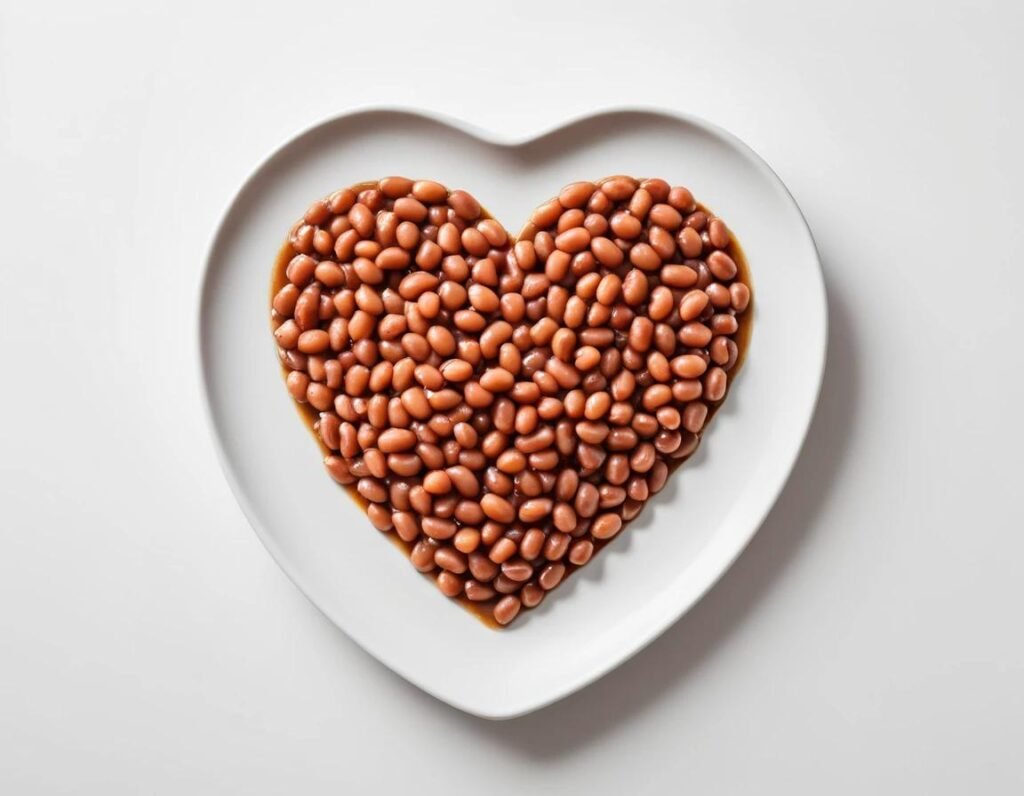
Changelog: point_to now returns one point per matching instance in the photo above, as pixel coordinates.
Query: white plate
(681, 544)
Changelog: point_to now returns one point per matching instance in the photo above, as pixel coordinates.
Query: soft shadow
(626, 692)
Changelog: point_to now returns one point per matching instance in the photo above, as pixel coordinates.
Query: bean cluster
(504, 406)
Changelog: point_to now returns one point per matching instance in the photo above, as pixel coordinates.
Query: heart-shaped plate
(679, 545)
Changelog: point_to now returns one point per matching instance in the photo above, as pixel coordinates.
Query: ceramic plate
(681, 544)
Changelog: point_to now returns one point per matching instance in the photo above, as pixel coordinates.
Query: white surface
(666, 560)
(867, 641)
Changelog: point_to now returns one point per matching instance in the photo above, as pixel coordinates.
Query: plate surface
(681, 544)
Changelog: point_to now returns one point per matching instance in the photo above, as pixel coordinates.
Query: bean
(722, 266)
(497, 508)
(464, 205)
(313, 341)
(694, 335)
(665, 215)
(580, 552)
(506, 609)
(656, 395)
(640, 203)
(694, 416)
(396, 440)
(449, 584)
(422, 555)
(517, 569)
(463, 480)
(575, 194)
(643, 458)
(723, 323)
(503, 549)
(688, 366)
(661, 303)
(497, 380)
(643, 256)
(605, 251)
(740, 295)
(678, 276)
(564, 517)
(556, 545)
(606, 526)
(692, 305)
(723, 351)
(478, 592)
(573, 240)
(715, 382)
(618, 188)
(551, 576)
(533, 510)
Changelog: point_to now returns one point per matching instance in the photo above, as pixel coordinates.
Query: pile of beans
(503, 406)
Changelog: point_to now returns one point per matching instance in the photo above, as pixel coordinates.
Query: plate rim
(645, 636)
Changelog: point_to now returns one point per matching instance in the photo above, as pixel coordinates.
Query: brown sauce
(483, 610)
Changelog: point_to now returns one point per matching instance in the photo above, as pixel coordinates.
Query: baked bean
(564, 517)
(687, 390)
(592, 433)
(616, 468)
(690, 243)
(695, 335)
(724, 323)
(497, 508)
(532, 544)
(463, 480)
(722, 266)
(503, 549)
(478, 592)
(319, 396)
(574, 195)
(464, 205)
(480, 566)
(719, 296)
(643, 458)
(698, 220)
(666, 216)
(656, 395)
(313, 341)
(506, 609)
(715, 382)
(551, 576)
(517, 569)
(556, 545)
(640, 203)
(533, 510)
(694, 416)
(611, 496)
(621, 439)
(606, 526)
(531, 595)
(580, 552)
(740, 295)
(678, 276)
(688, 366)
(450, 559)
(422, 555)
(618, 188)
(644, 257)
(449, 584)
(693, 304)
(605, 251)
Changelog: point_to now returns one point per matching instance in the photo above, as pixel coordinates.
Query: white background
(870, 638)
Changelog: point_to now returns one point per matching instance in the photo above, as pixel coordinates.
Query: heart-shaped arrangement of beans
(505, 406)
